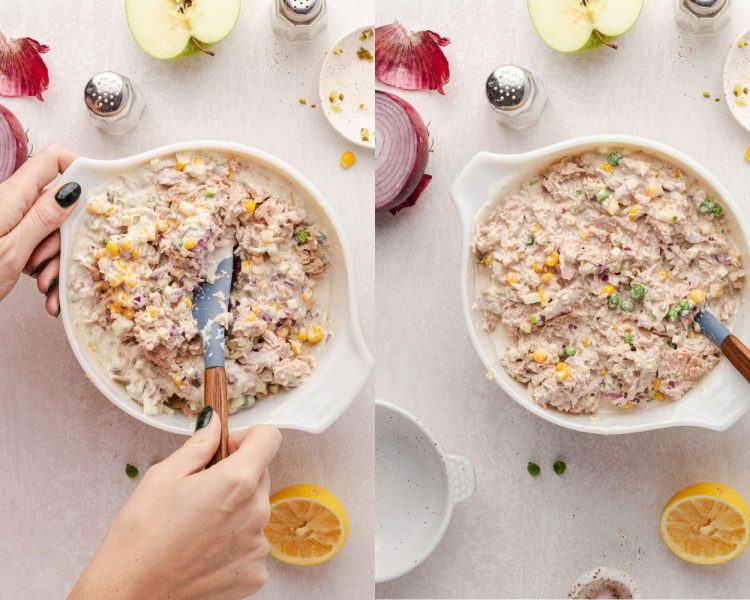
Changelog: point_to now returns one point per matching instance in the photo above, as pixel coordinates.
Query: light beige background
(524, 537)
(63, 446)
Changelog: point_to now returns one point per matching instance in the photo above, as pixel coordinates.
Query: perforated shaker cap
(705, 8)
(107, 94)
(509, 87)
(301, 11)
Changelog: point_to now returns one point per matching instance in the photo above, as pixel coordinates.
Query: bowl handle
(461, 478)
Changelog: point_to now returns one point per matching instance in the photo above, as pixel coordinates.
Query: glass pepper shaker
(299, 20)
(702, 17)
(515, 96)
(114, 102)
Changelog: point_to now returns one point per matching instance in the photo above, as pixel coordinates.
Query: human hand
(30, 216)
(189, 533)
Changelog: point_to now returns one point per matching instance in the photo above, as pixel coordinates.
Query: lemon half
(706, 523)
(308, 525)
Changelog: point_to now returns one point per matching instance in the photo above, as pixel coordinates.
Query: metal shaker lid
(301, 11)
(107, 94)
(705, 8)
(508, 87)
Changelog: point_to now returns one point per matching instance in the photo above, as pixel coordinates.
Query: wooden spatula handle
(215, 395)
(738, 354)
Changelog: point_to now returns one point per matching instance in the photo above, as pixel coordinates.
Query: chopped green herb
(534, 180)
(302, 236)
(569, 351)
(630, 340)
(601, 195)
(559, 467)
(211, 192)
(534, 319)
(578, 193)
(530, 239)
(671, 344)
(365, 54)
(613, 158)
(613, 300)
(638, 291)
(533, 469)
(178, 242)
(131, 471)
(717, 210)
(627, 305)
(706, 206)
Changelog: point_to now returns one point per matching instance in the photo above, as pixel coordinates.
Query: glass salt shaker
(114, 102)
(702, 17)
(516, 97)
(299, 20)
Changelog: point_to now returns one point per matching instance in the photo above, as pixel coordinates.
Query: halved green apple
(572, 26)
(173, 29)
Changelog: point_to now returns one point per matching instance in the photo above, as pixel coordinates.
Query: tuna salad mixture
(596, 269)
(145, 243)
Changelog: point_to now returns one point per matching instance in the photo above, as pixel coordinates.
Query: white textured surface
(519, 536)
(63, 446)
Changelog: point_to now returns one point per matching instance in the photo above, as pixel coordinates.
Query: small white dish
(344, 73)
(416, 486)
(344, 367)
(716, 402)
(737, 72)
(605, 582)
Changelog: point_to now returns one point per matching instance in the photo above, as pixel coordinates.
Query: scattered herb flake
(366, 35)
(338, 50)
(533, 469)
(131, 471)
(302, 100)
(365, 54)
(336, 108)
(364, 134)
(706, 94)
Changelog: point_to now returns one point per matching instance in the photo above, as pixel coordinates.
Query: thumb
(195, 453)
(45, 216)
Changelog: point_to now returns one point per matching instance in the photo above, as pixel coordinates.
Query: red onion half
(401, 153)
(13, 149)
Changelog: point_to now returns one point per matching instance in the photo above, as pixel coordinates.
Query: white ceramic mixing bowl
(715, 403)
(342, 369)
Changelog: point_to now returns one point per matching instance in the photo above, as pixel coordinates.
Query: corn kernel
(539, 356)
(697, 295)
(691, 334)
(162, 225)
(100, 253)
(307, 296)
(633, 212)
(628, 405)
(542, 299)
(747, 153)
(314, 334)
(187, 302)
(663, 275)
(113, 249)
(487, 260)
(256, 309)
(92, 209)
(659, 396)
(602, 372)
(584, 235)
(302, 334)
(347, 159)
(130, 281)
(607, 290)
(178, 380)
(296, 347)
(547, 277)
(188, 244)
(152, 311)
(655, 383)
(135, 253)
(552, 259)
(179, 166)
(511, 278)
(126, 245)
(586, 342)
(605, 167)
(115, 309)
(250, 317)
(563, 375)
(245, 266)
(536, 227)
(128, 314)
(114, 281)
(561, 366)
(537, 267)
(250, 206)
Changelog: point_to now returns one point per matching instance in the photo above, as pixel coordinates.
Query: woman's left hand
(30, 217)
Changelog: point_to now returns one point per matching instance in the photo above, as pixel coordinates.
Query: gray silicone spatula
(737, 353)
(211, 299)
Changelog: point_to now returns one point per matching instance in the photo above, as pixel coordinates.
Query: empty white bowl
(718, 400)
(416, 486)
(343, 368)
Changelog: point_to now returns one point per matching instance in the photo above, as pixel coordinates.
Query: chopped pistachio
(364, 134)
(302, 100)
(366, 35)
(365, 54)
(742, 43)
(333, 95)
(336, 108)
(361, 107)
(338, 50)
(706, 94)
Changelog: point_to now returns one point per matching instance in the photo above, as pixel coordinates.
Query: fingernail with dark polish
(204, 418)
(38, 269)
(50, 287)
(68, 194)
(57, 314)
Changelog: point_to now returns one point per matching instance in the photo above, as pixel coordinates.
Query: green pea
(706, 206)
(530, 239)
(717, 210)
(578, 193)
(569, 351)
(671, 315)
(683, 306)
(627, 305)
(638, 291)
(613, 158)
(302, 236)
(601, 195)
(613, 300)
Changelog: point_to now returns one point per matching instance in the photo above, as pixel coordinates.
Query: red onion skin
(13, 157)
(412, 199)
(423, 153)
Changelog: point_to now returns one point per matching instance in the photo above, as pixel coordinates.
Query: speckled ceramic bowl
(416, 487)
(718, 400)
